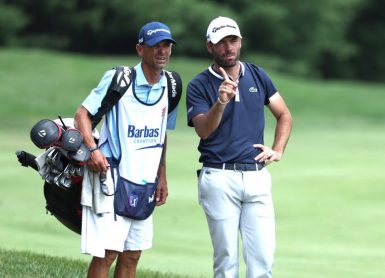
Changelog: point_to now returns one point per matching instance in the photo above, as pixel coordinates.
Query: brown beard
(221, 62)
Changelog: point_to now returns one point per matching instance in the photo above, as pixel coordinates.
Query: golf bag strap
(174, 88)
(120, 82)
(122, 79)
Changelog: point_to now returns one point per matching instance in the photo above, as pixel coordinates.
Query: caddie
(130, 158)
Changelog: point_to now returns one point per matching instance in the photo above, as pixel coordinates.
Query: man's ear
(139, 49)
(209, 46)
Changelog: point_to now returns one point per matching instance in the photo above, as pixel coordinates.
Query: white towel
(92, 196)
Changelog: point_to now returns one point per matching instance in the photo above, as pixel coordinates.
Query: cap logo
(150, 32)
(223, 26)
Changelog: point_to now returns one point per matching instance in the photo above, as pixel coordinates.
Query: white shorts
(110, 232)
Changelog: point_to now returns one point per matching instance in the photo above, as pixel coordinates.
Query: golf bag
(61, 202)
(60, 166)
(64, 204)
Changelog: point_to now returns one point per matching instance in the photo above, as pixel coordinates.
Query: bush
(12, 21)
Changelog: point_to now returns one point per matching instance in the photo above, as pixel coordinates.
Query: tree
(367, 32)
(12, 21)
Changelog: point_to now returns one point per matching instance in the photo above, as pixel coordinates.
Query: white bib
(141, 131)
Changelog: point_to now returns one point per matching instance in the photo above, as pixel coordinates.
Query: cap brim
(157, 40)
(220, 37)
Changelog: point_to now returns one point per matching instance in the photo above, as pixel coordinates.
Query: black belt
(235, 166)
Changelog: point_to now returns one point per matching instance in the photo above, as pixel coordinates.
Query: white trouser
(239, 202)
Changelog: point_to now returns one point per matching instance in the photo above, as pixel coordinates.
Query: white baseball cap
(221, 27)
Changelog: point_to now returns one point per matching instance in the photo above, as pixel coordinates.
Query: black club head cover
(71, 140)
(45, 133)
(81, 155)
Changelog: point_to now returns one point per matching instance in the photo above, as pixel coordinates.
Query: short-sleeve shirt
(243, 122)
(146, 93)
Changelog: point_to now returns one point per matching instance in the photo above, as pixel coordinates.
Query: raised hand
(227, 90)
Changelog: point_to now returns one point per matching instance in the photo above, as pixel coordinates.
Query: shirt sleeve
(268, 84)
(171, 119)
(196, 101)
(94, 99)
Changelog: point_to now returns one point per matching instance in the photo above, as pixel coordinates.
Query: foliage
(12, 20)
(368, 32)
(328, 39)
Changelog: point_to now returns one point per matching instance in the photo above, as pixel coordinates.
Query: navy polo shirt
(243, 121)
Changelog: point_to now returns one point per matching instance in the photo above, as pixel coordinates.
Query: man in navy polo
(225, 105)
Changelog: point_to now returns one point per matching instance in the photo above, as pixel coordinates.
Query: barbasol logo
(145, 132)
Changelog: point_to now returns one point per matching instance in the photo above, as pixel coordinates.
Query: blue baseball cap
(153, 33)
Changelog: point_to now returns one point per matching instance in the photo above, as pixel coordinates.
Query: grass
(21, 264)
(328, 190)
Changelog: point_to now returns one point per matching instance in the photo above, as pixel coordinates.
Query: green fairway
(329, 188)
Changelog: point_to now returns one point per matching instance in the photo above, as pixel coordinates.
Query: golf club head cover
(45, 133)
(81, 155)
(71, 140)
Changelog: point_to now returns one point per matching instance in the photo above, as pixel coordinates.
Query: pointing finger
(224, 74)
(226, 78)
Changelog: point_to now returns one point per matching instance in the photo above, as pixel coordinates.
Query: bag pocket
(135, 201)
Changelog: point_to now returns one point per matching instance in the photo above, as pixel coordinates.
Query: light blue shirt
(145, 92)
